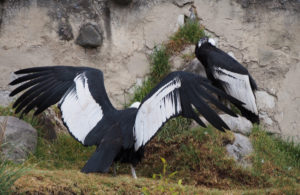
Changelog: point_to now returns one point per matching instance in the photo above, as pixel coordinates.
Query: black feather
(34, 69)
(34, 92)
(28, 77)
(28, 84)
(53, 98)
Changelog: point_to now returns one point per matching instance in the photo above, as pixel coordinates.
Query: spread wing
(176, 95)
(238, 86)
(80, 92)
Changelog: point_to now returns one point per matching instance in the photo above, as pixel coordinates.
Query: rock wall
(262, 35)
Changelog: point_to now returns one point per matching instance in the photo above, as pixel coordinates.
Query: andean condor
(120, 135)
(229, 75)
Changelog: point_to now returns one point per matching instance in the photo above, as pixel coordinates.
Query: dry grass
(74, 182)
(200, 159)
(3, 125)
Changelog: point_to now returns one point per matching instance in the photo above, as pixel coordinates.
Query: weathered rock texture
(238, 124)
(90, 36)
(262, 35)
(5, 100)
(19, 139)
(241, 149)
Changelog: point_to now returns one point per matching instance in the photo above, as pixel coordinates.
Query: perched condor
(120, 135)
(229, 75)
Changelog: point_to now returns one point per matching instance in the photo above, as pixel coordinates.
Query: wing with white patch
(176, 95)
(80, 92)
(155, 111)
(238, 86)
(80, 111)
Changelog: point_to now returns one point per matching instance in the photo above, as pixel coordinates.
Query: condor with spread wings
(120, 135)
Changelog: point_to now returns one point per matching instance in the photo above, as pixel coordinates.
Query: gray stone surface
(65, 31)
(180, 20)
(20, 139)
(238, 124)
(264, 100)
(240, 149)
(5, 100)
(89, 36)
(196, 67)
(176, 63)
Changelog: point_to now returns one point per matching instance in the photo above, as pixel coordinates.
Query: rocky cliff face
(263, 35)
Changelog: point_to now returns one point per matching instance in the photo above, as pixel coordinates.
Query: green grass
(159, 63)
(274, 157)
(159, 68)
(190, 33)
(63, 153)
(9, 173)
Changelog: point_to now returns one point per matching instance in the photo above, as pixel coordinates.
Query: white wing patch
(238, 86)
(155, 111)
(80, 112)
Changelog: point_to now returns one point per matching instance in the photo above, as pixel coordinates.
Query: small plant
(8, 175)
(165, 180)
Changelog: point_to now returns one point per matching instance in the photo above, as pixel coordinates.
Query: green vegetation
(190, 33)
(8, 175)
(275, 159)
(62, 153)
(160, 67)
(200, 159)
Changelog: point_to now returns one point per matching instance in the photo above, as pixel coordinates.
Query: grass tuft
(190, 33)
(8, 175)
(160, 67)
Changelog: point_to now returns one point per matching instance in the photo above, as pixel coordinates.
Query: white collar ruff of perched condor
(229, 75)
(120, 135)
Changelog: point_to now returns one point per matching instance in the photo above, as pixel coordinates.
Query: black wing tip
(22, 71)
(12, 83)
(33, 69)
(11, 94)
